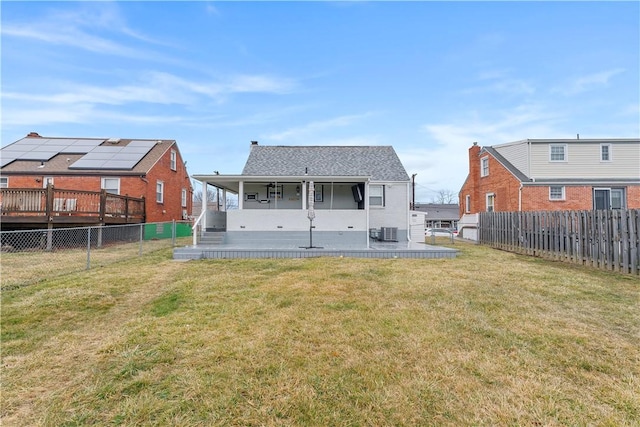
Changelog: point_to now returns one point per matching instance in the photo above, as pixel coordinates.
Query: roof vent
(254, 142)
(33, 135)
(113, 140)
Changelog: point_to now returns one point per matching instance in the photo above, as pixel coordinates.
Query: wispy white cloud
(500, 81)
(443, 164)
(91, 27)
(588, 82)
(297, 133)
(157, 88)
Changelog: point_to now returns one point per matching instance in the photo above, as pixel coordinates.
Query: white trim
(161, 192)
(380, 196)
(609, 153)
(565, 153)
(562, 195)
(173, 160)
(104, 187)
(486, 202)
(482, 168)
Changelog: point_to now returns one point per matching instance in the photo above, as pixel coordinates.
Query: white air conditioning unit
(389, 234)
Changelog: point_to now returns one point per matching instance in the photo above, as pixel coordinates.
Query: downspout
(520, 197)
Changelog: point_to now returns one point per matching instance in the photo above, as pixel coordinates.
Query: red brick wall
(505, 186)
(174, 182)
(499, 181)
(536, 198)
(134, 186)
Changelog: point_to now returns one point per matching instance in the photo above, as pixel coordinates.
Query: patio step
(212, 238)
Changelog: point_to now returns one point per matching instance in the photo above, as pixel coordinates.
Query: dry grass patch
(487, 338)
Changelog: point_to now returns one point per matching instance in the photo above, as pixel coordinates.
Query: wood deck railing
(57, 205)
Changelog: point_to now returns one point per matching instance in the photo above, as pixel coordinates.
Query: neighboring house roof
(35, 154)
(506, 163)
(527, 180)
(440, 211)
(381, 163)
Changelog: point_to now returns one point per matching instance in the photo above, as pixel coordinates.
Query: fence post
(88, 248)
(141, 238)
(173, 232)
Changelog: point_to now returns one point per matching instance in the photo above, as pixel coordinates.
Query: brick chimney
(33, 135)
(474, 161)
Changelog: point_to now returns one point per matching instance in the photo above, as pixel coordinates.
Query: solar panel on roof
(38, 155)
(88, 164)
(122, 164)
(120, 157)
(5, 161)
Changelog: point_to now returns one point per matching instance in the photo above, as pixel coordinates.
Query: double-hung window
(484, 166)
(111, 185)
(46, 181)
(184, 197)
(558, 153)
(556, 192)
(159, 191)
(467, 203)
(491, 202)
(605, 152)
(376, 195)
(4, 182)
(174, 157)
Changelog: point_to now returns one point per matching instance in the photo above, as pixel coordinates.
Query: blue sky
(428, 78)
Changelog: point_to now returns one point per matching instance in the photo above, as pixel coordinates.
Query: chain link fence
(28, 256)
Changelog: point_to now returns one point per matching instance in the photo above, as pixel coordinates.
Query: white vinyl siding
(111, 185)
(585, 161)
(517, 154)
(484, 166)
(556, 192)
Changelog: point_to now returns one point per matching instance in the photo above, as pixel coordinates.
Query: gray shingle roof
(507, 164)
(379, 162)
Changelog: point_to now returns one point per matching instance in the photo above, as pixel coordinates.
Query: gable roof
(381, 163)
(507, 164)
(438, 211)
(55, 155)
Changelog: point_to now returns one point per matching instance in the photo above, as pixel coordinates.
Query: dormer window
(558, 153)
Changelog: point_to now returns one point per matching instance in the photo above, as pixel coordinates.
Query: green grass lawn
(487, 338)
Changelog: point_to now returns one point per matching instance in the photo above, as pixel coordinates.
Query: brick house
(551, 175)
(68, 175)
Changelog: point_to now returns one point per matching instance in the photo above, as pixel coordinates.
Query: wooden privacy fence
(609, 240)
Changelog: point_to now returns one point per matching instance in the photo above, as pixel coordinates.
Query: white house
(361, 193)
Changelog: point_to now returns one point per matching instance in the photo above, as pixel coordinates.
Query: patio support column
(223, 206)
(240, 195)
(304, 195)
(203, 227)
(366, 208)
